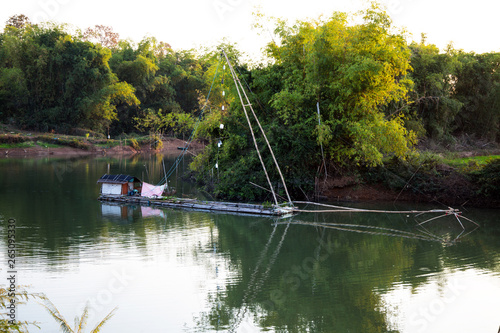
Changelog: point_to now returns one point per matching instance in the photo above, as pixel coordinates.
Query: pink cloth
(149, 190)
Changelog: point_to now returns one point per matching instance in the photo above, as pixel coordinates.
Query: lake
(168, 270)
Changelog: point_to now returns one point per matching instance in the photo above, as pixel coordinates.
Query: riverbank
(470, 185)
(27, 144)
(452, 179)
(443, 184)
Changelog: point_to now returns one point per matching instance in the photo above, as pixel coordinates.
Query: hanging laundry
(151, 191)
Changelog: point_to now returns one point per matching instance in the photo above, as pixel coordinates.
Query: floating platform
(194, 204)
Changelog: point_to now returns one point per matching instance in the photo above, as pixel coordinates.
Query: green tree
(186, 73)
(478, 89)
(351, 71)
(434, 76)
(13, 92)
(140, 67)
(61, 82)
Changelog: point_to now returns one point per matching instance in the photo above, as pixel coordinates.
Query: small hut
(119, 184)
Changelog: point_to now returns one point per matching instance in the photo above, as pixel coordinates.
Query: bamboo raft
(194, 204)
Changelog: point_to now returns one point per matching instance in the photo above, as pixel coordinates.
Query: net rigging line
(371, 230)
(179, 158)
(258, 285)
(342, 209)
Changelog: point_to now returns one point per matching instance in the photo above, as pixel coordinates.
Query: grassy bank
(467, 164)
(11, 138)
(429, 177)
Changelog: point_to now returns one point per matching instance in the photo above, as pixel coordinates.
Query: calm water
(183, 271)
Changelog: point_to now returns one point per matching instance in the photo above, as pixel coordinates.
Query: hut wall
(111, 188)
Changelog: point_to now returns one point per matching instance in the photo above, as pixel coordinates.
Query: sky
(186, 24)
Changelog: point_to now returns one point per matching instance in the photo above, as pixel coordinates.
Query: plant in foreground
(80, 323)
(20, 296)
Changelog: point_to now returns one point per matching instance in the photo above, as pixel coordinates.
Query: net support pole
(239, 87)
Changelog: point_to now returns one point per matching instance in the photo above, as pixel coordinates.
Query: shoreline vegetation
(17, 143)
(353, 109)
(442, 177)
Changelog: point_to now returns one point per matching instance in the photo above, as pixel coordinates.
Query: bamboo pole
(251, 129)
(238, 87)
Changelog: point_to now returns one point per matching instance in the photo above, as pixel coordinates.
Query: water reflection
(345, 282)
(171, 270)
(129, 213)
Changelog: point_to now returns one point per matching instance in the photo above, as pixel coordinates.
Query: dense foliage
(336, 93)
(455, 92)
(53, 80)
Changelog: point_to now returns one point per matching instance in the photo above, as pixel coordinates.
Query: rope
(340, 209)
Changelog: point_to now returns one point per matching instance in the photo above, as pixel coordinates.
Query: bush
(156, 142)
(85, 132)
(13, 139)
(488, 179)
(51, 140)
(75, 143)
(134, 144)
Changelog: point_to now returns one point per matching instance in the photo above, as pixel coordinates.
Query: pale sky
(185, 24)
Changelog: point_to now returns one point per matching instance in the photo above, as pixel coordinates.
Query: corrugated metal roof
(117, 179)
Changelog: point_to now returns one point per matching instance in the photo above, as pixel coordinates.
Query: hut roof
(117, 179)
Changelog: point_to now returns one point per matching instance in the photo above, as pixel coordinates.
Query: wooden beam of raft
(230, 207)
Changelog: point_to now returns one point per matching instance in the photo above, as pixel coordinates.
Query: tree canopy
(53, 80)
(352, 71)
(326, 86)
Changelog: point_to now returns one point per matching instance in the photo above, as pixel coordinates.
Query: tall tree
(434, 75)
(350, 71)
(139, 67)
(478, 88)
(66, 82)
(18, 21)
